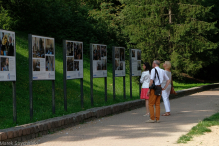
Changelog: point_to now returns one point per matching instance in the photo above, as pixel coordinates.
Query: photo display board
(99, 60)
(119, 61)
(136, 62)
(7, 56)
(43, 59)
(74, 59)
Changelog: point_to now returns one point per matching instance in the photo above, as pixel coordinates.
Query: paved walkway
(130, 129)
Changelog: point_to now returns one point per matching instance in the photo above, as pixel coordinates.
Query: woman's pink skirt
(144, 92)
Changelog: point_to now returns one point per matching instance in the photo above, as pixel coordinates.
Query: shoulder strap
(157, 74)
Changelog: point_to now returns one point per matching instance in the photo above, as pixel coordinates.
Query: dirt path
(130, 129)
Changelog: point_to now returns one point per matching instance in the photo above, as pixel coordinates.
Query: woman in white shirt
(166, 92)
(145, 80)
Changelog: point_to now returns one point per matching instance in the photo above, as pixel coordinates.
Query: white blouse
(145, 79)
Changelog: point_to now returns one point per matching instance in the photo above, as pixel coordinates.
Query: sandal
(166, 114)
(146, 115)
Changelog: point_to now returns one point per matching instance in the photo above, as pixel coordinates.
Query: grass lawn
(200, 128)
(42, 90)
(180, 86)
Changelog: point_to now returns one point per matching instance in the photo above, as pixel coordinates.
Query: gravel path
(129, 128)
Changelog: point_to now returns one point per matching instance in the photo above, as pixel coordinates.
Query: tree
(175, 30)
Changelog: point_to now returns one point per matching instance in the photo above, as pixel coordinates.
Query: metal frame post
(91, 75)
(64, 75)
(30, 75)
(14, 102)
(124, 94)
(82, 94)
(53, 96)
(105, 82)
(113, 62)
(130, 73)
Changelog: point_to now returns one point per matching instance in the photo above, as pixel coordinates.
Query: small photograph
(76, 65)
(78, 50)
(133, 53)
(122, 54)
(121, 65)
(117, 50)
(103, 51)
(75, 50)
(36, 64)
(139, 65)
(117, 66)
(70, 63)
(50, 63)
(69, 47)
(94, 52)
(49, 46)
(38, 47)
(98, 53)
(99, 65)
(138, 55)
(104, 63)
(7, 44)
(4, 64)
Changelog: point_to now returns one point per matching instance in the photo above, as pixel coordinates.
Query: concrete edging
(33, 130)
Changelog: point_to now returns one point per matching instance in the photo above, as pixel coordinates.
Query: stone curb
(33, 130)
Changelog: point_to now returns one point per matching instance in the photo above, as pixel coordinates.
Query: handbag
(172, 91)
(157, 89)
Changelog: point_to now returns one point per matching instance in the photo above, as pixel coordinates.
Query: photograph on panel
(36, 64)
(139, 65)
(76, 65)
(138, 55)
(49, 63)
(35, 46)
(98, 53)
(70, 63)
(4, 64)
(121, 65)
(94, 52)
(49, 46)
(133, 53)
(104, 63)
(38, 47)
(117, 50)
(103, 51)
(122, 54)
(117, 65)
(7, 44)
(78, 50)
(69, 48)
(99, 65)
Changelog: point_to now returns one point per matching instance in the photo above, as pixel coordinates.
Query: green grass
(42, 90)
(200, 128)
(180, 86)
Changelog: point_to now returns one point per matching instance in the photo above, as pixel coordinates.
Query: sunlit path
(129, 128)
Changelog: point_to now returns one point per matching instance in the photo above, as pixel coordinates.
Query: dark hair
(148, 67)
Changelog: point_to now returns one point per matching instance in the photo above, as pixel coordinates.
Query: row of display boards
(42, 64)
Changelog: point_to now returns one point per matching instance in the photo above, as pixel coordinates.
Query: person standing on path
(166, 92)
(155, 99)
(145, 80)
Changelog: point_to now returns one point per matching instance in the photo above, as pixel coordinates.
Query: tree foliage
(172, 30)
(182, 31)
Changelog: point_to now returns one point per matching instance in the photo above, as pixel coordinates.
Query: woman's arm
(142, 77)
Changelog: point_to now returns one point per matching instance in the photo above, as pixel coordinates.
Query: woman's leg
(165, 97)
(146, 105)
